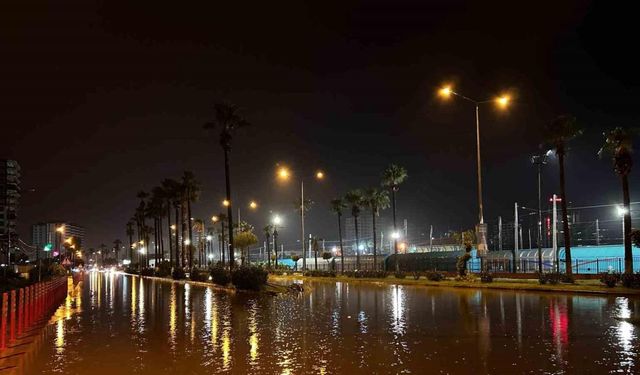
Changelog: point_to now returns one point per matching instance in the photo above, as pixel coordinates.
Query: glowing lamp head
(142, 250)
(621, 211)
(503, 101)
(60, 229)
(173, 227)
(253, 205)
(214, 219)
(445, 92)
(209, 237)
(320, 175)
(187, 242)
(277, 220)
(283, 173)
(226, 203)
(395, 235)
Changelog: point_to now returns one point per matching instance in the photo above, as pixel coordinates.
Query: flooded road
(116, 324)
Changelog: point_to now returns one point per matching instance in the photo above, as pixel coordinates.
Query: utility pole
(554, 237)
(431, 239)
(515, 237)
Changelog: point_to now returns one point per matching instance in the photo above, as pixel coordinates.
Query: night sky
(100, 100)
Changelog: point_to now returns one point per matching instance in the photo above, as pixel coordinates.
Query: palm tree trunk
(565, 217)
(340, 238)
(628, 252)
(222, 248)
(229, 209)
(160, 236)
(177, 247)
(355, 221)
(375, 246)
(183, 231)
(169, 233)
(395, 228)
(268, 250)
(189, 227)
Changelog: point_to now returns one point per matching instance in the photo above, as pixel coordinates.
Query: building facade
(50, 237)
(9, 199)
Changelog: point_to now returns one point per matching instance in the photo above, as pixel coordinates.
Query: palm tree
(354, 200)
(338, 206)
(315, 246)
(198, 226)
(130, 234)
(116, 246)
(267, 234)
(619, 145)
(170, 188)
(392, 178)
(375, 200)
(155, 211)
(191, 192)
(227, 119)
(222, 218)
(558, 133)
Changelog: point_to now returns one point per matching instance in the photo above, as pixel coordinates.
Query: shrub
(163, 269)
(249, 277)
(319, 273)
(198, 275)
(400, 275)
(416, 275)
(567, 279)
(468, 278)
(178, 274)
(551, 278)
(486, 277)
(630, 280)
(434, 276)
(220, 275)
(609, 279)
(148, 271)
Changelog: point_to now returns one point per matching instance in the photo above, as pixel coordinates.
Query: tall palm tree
(198, 226)
(558, 133)
(392, 178)
(375, 200)
(222, 218)
(170, 188)
(338, 206)
(354, 200)
(155, 211)
(619, 145)
(227, 119)
(191, 192)
(267, 234)
(130, 233)
(315, 246)
(117, 244)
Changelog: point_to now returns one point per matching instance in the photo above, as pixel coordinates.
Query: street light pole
(304, 254)
(539, 160)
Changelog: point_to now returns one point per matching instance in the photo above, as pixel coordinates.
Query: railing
(26, 307)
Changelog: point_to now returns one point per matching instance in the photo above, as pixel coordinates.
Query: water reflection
(154, 327)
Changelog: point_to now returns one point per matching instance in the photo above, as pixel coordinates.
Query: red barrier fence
(28, 306)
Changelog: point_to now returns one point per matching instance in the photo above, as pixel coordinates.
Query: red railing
(26, 307)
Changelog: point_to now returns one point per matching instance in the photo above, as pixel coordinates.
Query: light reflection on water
(127, 325)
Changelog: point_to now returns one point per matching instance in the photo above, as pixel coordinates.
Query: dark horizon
(103, 100)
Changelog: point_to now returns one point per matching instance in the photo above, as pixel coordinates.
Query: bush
(567, 279)
(400, 275)
(486, 277)
(434, 276)
(468, 278)
(249, 277)
(198, 275)
(219, 275)
(319, 273)
(163, 269)
(416, 275)
(148, 271)
(630, 280)
(178, 274)
(550, 278)
(609, 279)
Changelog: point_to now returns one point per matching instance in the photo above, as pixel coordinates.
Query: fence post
(577, 270)
(619, 265)
(597, 265)
(3, 324)
(12, 317)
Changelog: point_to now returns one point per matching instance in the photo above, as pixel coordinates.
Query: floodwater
(117, 324)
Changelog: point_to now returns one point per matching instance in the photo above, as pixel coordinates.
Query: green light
(48, 247)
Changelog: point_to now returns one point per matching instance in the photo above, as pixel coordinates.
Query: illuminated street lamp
(503, 102)
(253, 205)
(284, 174)
(226, 203)
(276, 221)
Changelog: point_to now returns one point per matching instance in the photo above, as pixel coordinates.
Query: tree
(295, 258)
(392, 178)
(228, 120)
(171, 188)
(619, 145)
(199, 227)
(315, 247)
(354, 200)
(130, 233)
(267, 234)
(191, 189)
(243, 239)
(375, 200)
(156, 211)
(338, 205)
(558, 133)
